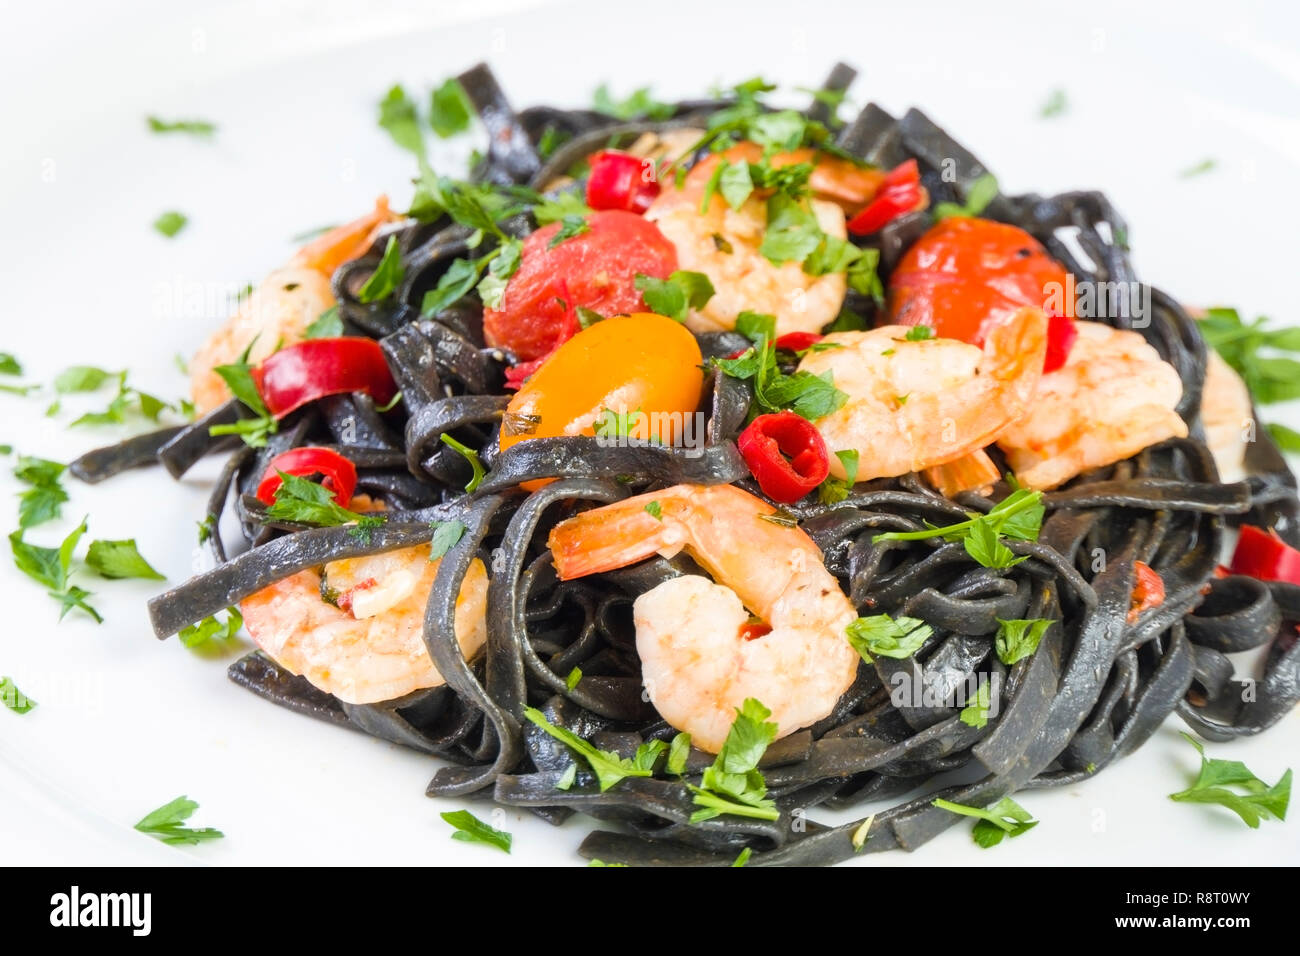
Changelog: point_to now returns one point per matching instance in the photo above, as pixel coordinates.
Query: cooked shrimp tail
(342, 243)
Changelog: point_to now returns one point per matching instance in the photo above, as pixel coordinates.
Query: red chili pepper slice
(620, 180)
(753, 630)
(899, 193)
(303, 372)
(337, 472)
(1148, 591)
(1061, 333)
(797, 341)
(786, 454)
(1262, 554)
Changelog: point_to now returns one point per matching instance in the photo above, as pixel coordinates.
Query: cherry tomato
(966, 272)
(627, 363)
(620, 180)
(596, 269)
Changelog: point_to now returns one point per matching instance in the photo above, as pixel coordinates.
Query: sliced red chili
(900, 192)
(621, 181)
(1061, 333)
(797, 341)
(303, 372)
(753, 630)
(1262, 554)
(786, 454)
(338, 474)
(1148, 591)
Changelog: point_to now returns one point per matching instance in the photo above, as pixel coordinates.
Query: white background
(125, 723)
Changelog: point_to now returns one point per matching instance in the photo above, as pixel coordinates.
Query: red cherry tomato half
(338, 474)
(967, 273)
(596, 269)
(303, 372)
(621, 181)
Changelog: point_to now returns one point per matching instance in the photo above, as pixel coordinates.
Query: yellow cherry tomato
(641, 362)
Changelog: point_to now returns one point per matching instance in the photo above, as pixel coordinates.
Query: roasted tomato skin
(596, 269)
(965, 273)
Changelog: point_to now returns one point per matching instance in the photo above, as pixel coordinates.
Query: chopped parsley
(884, 636)
(303, 501)
(1257, 352)
(1207, 165)
(1018, 516)
(733, 783)
(51, 567)
(655, 510)
(1018, 639)
(400, 118)
(470, 455)
(678, 750)
(470, 829)
(560, 207)
(570, 226)
(13, 698)
(450, 110)
(170, 223)
(445, 536)
(982, 192)
(238, 377)
(919, 333)
(1004, 818)
(639, 104)
(327, 325)
(165, 824)
(212, 629)
(43, 501)
(1212, 783)
(837, 489)
(677, 294)
(194, 127)
(1055, 105)
(571, 681)
(608, 766)
(9, 364)
(806, 394)
(743, 857)
(120, 559)
(976, 713)
(612, 424)
(388, 275)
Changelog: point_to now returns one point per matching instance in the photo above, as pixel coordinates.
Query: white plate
(126, 723)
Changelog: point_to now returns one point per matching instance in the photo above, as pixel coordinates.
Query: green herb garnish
(639, 104)
(212, 629)
(387, 276)
(608, 766)
(1018, 516)
(1017, 639)
(327, 325)
(450, 110)
(1259, 801)
(1004, 818)
(303, 501)
(13, 698)
(119, 559)
(165, 824)
(982, 192)
(51, 567)
(884, 636)
(44, 499)
(470, 829)
(445, 535)
(193, 127)
(733, 784)
(1055, 105)
(470, 455)
(170, 223)
(677, 294)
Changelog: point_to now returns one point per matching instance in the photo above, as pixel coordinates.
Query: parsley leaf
(1017, 639)
(887, 636)
(470, 455)
(1055, 105)
(678, 751)
(83, 378)
(837, 489)
(387, 276)
(982, 544)
(919, 333)
(570, 226)
(398, 115)
(1256, 352)
(574, 677)
(445, 535)
(165, 824)
(976, 713)
(170, 223)
(51, 567)
(453, 285)
(1019, 516)
(193, 127)
(502, 265)
(307, 502)
(13, 698)
(792, 231)
(44, 499)
(743, 857)
(561, 206)
(450, 109)
(1260, 801)
(1287, 439)
(733, 783)
(675, 295)
(612, 424)
(119, 559)
(327, 325)
(608, 766)
(1209, 164)
(471, 829)
(639, 104)
(982, 192)
(238, 377)
(1004, 818)
(655, 510)
(812, 396)
(9, 365)
(212, 629)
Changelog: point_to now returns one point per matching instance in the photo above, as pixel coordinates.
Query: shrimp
(723, 243)
(279, 310)
(699, 656)
(1228, 416)
(1113, 397)
(368, 645)
(915, 404)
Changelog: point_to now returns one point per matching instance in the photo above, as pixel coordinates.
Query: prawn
(279, 310)
(701, 652)
(355, 628)
(916, 404)
(1113, 397)
(723, 243)
(1228, 417)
